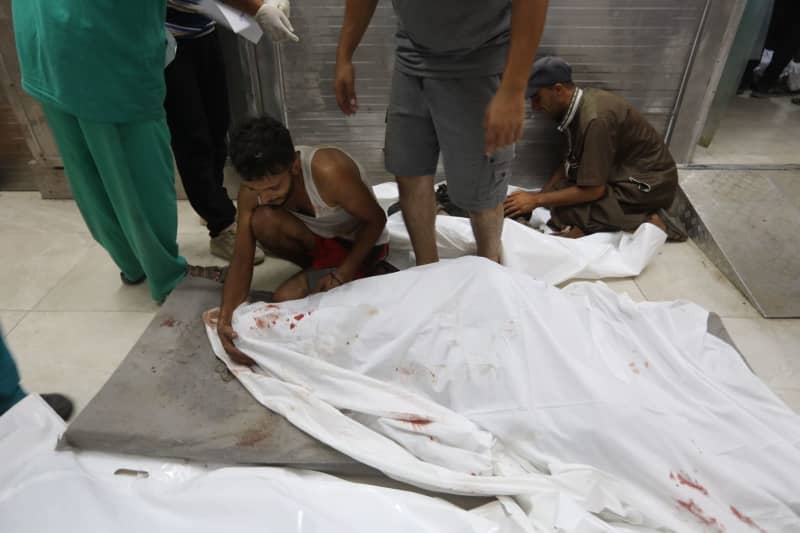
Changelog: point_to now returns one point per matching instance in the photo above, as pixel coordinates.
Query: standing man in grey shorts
(461, 69)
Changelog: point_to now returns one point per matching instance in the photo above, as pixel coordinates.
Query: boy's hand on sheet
(227, 335)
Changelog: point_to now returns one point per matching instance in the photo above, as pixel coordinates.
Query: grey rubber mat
(171, 397)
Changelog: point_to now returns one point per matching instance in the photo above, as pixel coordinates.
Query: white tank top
(330, 222)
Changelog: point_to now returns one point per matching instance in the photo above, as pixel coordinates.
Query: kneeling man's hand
(520, 203)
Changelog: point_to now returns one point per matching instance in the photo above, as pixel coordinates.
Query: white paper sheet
(233, 19)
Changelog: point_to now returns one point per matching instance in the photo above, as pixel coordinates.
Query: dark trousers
(198, 118)
(783, 39)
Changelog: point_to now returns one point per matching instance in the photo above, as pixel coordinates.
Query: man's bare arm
(357, 14)
(506, 112)
(239, 278)
(571, 196)
(527, 25)
(522, 202)
(240, 272)
(559, 174)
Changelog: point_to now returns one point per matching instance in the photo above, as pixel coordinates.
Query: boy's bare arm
(340, 183)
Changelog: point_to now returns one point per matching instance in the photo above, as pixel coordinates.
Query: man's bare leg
(283, 234)
(418, 203)
(487, 226)
(293, 288)
(658, 222)
(674, 229)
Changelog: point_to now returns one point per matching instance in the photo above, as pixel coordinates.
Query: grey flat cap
(548, 71)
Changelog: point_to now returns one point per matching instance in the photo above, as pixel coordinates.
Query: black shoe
(443, 199)
(60, 404)
(126, 281)
(761, 91)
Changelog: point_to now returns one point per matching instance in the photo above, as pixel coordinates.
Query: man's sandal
(213, 273)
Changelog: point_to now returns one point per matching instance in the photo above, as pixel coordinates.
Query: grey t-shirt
(452, 38)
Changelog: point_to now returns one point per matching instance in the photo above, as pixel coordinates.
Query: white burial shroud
(593, 412)
(525, 249)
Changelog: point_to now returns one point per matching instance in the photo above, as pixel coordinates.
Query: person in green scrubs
(98, 70)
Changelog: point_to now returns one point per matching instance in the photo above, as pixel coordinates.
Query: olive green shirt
(100, 60)
(610, 142)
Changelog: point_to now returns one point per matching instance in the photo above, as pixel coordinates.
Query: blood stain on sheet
(274, 306)
(260, 322)
(634, 368)
(698, 513)
(299, 316)
(292, 325)
(647, 364)
(684, 479)
(169, 323)
(746, 519)
(415, 421)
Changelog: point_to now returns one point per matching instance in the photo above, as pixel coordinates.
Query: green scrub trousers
(122, 178)
(97, 67)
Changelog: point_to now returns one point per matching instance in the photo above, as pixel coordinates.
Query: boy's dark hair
(261, 146)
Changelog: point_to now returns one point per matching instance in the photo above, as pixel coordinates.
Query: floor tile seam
(25, 312)
(64, 276)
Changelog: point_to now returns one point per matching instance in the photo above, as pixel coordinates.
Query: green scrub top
(100, 60)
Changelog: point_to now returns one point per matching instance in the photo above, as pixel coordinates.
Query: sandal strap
(213, 273)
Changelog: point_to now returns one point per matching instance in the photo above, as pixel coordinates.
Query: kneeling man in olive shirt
(617, 173)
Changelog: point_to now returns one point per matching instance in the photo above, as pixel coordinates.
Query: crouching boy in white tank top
(309, 205)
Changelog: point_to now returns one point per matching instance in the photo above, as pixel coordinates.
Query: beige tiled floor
(754, 131)
(69, 321)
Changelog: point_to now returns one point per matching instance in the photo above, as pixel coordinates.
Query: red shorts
(331, 253)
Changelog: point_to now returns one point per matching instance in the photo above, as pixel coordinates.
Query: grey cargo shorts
(427, 116)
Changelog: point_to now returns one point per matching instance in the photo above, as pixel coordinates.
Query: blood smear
(746, 519)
